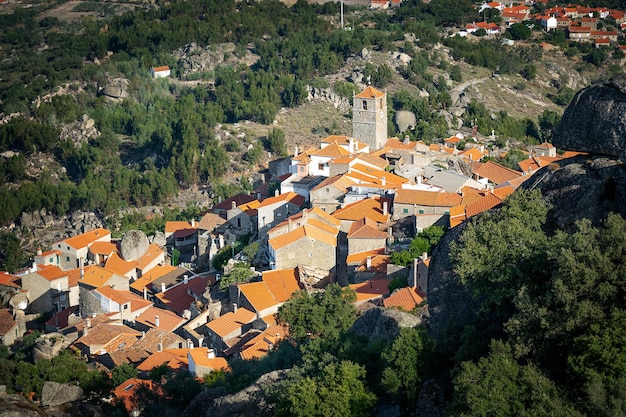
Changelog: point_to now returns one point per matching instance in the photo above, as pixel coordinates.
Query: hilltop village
(326, 215)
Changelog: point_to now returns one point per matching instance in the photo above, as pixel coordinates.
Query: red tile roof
(291, 197)
(307, 231)
(260, 345)
(370, 290)
(495, 172)
(427, 198)
(406, 298)
(372, 208)
(229, 322)
(282, 283)
(365, 229)
(178, 299)
(370, 92)
(168, 321)
(8, 280)
(200, 357)
(87, 238)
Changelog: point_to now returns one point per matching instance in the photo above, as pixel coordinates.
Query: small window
(327, 190)
(364, 105)
(67, 258)
(446, 212)
(51, 260)
(405, 210)
(320, 166)
(279, 214)
(420, 211)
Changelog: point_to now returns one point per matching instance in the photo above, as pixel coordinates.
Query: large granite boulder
(134, 245)
(405, 120)
(383, 323)
(53, 394)
(595, 120)
(249, 402)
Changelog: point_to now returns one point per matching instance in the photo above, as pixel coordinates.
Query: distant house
(329, 194)
(9, 330)
(274, 210)
(203, 361)
(160, 72)
(48, 288)
(365, 235)
(125, 394)
(407, 299)
(228, 326)
(74, 250)
(181, 233)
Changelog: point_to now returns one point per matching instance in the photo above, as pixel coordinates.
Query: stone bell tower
(369, 117)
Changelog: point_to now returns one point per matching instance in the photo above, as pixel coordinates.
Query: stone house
(228, 326)
(329, 194)
(74, 250)
(48, 289)
(244, 217)
(105, 299)
(157, 318)
(365, 235)
(202, 361)
(222, 207)
(375, 208)
(276, 209)
(307, 245)
(9, 329)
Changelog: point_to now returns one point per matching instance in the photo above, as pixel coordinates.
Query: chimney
(276, 193)
(193, 223)
(82, 272)
(305, 214)
(210, 353)
(156, 321)
(424, 256)
(160, 347)
(351, 145)
(385, 208)
(162, 287)
(415, 273)
(145, 293)
(234, 307)
(39, 252)
(419, 180)
(143, 334)
(233, 205)
(368, 263)
(295, 151)
(406, 139)
(189, 344)
(88, 322)
(185, 279)
(258, 196)
(384, 181)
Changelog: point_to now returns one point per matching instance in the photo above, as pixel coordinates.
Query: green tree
(122, 373)
(338, 390)
(241, 273)
(408, 358)
(11, 255)
(456, 74)
(499, 386)
(277, 143)
(323, 314)
(519, 31)
(548, 120)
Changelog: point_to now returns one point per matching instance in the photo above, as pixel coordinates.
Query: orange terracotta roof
(340, 182)
(282, 283)
(123, 297)
(176, 357)
(87, 238)
(51, 272)
(8, 280)
(496, 173)
(377, 175)
(171, 227)
(201, 358)
(332, 150)
(238, 199)
(473, 154)
(301, 232)
(406, 298)
(372, 208)
(96, 276)
(155, 273)
(103, 334)
(397, 144)
(103, 248)
(161, 68)
(359, 258)
(504, 191)
(489, 201)
(370, 92)
(127, 389)
(370, 290)
(168, 321)
(370, 158)
(210, 221)
(365, 229)
(378, 264)
(258, 294)
(154, 251)
(229, 322)
(116, 264)
(291, 197)
(179, 297)
(427, 198)
(259, 346)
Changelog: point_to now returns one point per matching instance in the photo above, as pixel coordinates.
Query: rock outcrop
(586, 186)
(134, 245)
(383, 323)
(53, 394)
(405, 120)
(595, 121)
(249, 402)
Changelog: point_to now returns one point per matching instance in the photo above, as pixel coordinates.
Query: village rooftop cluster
(333, 216)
